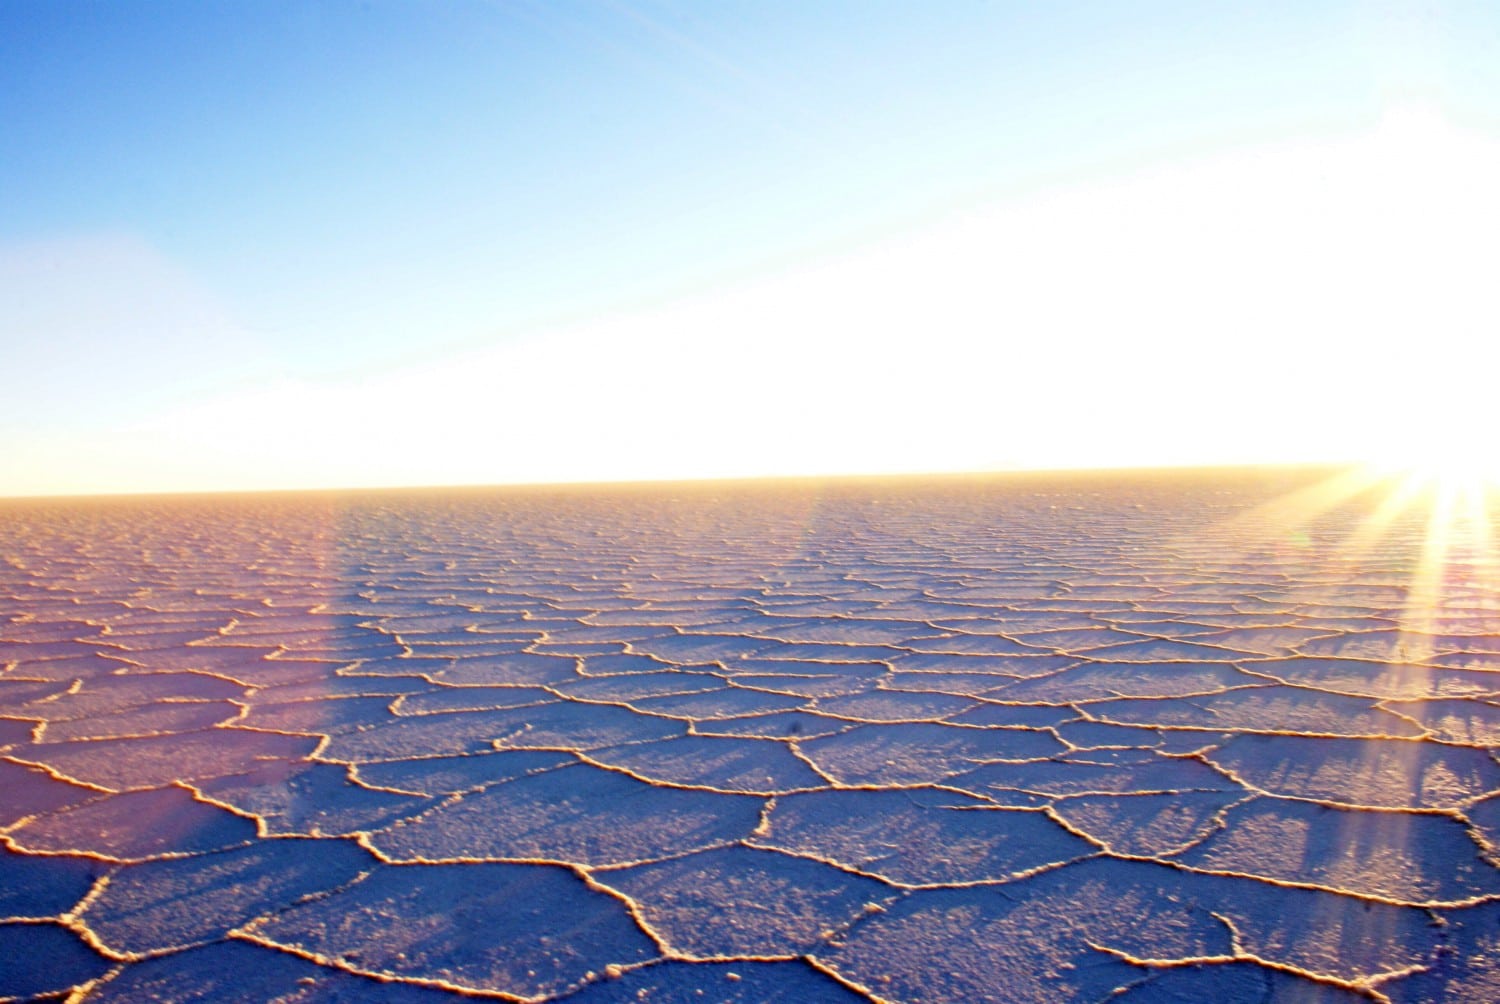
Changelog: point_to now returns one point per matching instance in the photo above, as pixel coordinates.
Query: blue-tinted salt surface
(1019, 739)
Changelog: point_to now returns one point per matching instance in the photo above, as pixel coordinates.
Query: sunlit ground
(1430, 520)
(787, 732)
(1453, 498)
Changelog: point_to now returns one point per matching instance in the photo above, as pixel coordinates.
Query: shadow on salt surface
(44, 958)
(527, 930)
(36, 887)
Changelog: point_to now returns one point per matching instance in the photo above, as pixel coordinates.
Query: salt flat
(1026, 738)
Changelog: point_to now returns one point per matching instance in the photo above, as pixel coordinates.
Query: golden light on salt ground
(1426, 540)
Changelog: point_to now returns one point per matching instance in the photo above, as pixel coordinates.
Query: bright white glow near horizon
(250, 248)
(1320, 299)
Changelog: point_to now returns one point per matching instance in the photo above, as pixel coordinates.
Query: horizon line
(688, 482)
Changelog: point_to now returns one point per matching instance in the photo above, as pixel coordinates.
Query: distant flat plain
(1048, 737)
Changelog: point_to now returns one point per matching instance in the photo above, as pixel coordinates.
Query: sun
(1431, 513)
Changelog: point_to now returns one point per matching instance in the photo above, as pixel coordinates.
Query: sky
(301, 245)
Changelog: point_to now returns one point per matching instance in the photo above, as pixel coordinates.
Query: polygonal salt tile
(1159, 650)
(1387, 773)
(579, 814)
(449, 775)
(1261, 709)
(780, 725)
(741, 982)
(1101, 735)
(242, 970)
(726, 764)
(311, 800)
(1402, 856)
(1396, 681)
(156, 719)
(35, 886)
(136, 825)
(1078, 774)
(448, 699)
(154, 761)
(631, 687)
(1231, 981)
(744, 901)
(311, 716)
(973, 645)
(1099, 681)
(1147, 825)
(1031, 941)
(918, 837)
(524, 929)
(160, 905)
(44, 959)
(469, 669)
(113, 694)
(921, 753)
(727, 702)
(1469, 722)
(1466, 966)
(1379, 646)
(895, 706)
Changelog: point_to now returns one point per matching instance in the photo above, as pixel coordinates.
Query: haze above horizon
(263, 246)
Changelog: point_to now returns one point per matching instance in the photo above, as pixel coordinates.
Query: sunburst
(1434, 518)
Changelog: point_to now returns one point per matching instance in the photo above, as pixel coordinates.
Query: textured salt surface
(1025, 739)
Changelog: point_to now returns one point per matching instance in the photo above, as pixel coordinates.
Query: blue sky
(214, 208)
